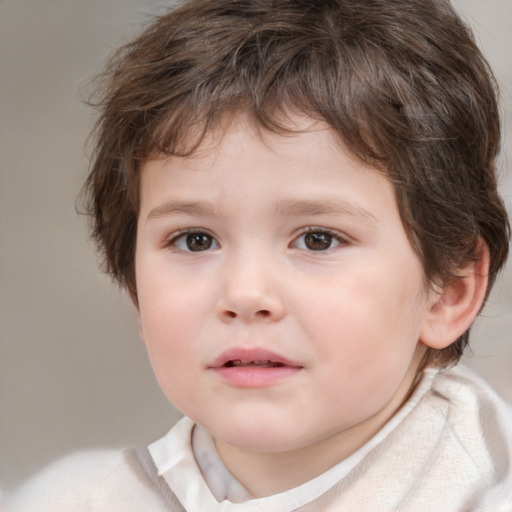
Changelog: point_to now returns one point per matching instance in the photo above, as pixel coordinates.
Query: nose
(251, 293)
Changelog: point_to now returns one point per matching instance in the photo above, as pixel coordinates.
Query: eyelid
(171, 239)
(314, 229)
(342, 238)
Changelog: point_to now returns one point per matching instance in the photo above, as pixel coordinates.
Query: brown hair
(401, 81)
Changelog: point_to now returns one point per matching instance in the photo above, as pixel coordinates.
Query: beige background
(72, 371)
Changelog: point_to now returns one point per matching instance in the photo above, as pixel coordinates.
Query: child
(300, 198)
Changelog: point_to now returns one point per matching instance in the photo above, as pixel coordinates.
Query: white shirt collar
(220, 481)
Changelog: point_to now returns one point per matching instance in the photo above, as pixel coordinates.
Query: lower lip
(254, 377)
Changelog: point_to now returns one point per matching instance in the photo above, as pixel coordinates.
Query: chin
(251, 435)
(261, 437)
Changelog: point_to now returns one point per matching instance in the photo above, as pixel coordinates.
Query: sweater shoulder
(92, 481)
(478, 428)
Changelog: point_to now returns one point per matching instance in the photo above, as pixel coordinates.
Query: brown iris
(198, 242)
(318, 241)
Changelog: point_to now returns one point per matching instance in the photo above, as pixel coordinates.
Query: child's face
(282, 249)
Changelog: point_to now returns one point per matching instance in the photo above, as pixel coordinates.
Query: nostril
(247, 314)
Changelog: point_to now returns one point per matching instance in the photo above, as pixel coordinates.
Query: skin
(348, 312)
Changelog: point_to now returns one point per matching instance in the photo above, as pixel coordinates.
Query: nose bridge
(251, 289)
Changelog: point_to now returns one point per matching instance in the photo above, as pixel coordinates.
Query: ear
(452, 310)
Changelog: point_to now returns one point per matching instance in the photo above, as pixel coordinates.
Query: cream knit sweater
(448, 449)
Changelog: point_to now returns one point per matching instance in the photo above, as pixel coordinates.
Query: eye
(317, 240)
(196, 241)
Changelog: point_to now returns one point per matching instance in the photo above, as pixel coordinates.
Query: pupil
(199, 242)
(318, 241)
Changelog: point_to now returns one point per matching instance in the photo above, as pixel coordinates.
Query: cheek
(365, 324)
(171, 316)
(169, 340)
(170, 322)
(169, 303)
(358, 310)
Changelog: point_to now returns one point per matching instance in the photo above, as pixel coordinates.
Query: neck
(268, 473)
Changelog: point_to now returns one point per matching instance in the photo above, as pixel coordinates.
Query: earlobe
(453, 309)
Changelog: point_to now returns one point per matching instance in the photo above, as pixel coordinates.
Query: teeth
(260, 363)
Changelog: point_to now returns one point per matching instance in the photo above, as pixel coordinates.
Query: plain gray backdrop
(73, 372)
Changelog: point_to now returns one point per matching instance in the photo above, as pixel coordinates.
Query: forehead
(236, 134)
(306, 170)
(193, 138)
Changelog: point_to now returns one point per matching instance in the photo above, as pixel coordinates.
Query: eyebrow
(290, 208)
(285, 208)
(200, 208)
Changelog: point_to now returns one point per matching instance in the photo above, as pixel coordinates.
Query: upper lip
(248, 355)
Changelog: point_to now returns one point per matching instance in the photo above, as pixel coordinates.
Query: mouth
(253, 368)
(237, 363)
(252, 358)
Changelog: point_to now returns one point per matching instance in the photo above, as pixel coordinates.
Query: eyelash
(335, 236)
(172, 240)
